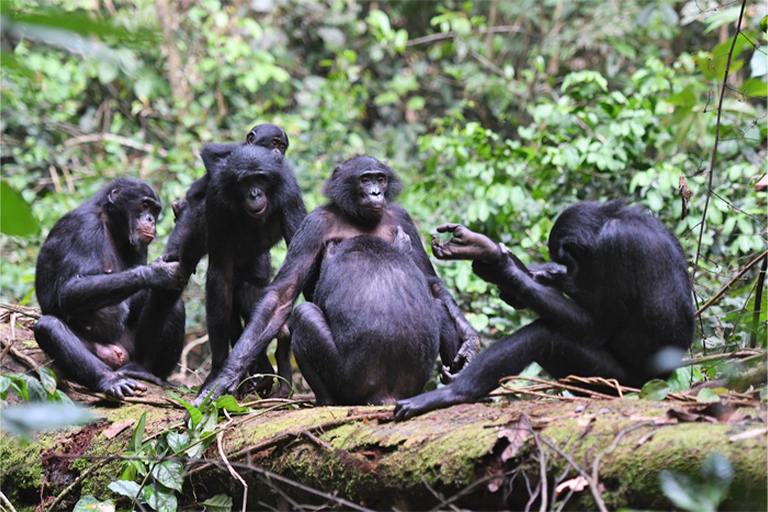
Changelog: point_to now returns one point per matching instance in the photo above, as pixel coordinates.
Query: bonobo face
(145, 226)
(268, 136)
(372, 187)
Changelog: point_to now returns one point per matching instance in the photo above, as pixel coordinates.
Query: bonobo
(376, 315)
(92, 282)
(253, 201)
(627, 314)
(188, 241)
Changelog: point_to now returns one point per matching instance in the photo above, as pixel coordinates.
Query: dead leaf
(114, 429)
(577, 484)
(517, 433)
(645, 438)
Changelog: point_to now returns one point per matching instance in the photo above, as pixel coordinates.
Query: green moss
(21, 467)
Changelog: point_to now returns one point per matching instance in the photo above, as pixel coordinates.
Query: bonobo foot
(437, 399)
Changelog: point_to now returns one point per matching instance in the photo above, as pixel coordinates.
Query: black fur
(628, 315)
(92, 282)
(374, 256)
(252, 203)
(188, 241)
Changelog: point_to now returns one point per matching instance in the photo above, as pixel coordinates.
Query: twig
(23, 310)
(295, 434)
(8, 346)
(451, 34)
(279, 478)
(86, 473)
(6, 503)
(594, 489)
(743, 352)
(232, 472)
(717, 138)
(720, 294)
(109, 137)
(558, 384)
(596, 464)
(185, 353)
(312, 437)
(543, 459)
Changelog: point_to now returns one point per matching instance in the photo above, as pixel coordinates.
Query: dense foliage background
(496, 114)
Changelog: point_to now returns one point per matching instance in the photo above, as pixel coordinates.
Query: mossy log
(476, 456)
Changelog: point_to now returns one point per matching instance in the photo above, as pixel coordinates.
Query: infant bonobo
(621, 309)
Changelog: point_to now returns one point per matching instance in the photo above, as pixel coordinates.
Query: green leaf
(15, 214)
(195, 415)
(135, 444)
(88, 502)
(176, 441)
(229, 403)
(125, 488)
(682, 491)
(755, 87)
(47, 379)
(218, 503)
(387, 98)
(159, 498)
(706, 396)
(170, 473)
(654, 390)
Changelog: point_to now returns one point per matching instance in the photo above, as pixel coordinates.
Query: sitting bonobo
(622, 302)
(93, 284)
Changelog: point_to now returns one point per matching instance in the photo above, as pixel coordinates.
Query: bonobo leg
(79, 363)
(247, 298)
(159, 335)
(315, 351)
(539, 342)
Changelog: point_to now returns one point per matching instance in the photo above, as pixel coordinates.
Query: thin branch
(451, 34)
(109, 137)
(719, 295)
(758, 303)
(717, 138)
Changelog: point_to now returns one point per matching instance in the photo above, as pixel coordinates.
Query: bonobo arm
(301, 264)
(90, 293)
(470, 340)
(546, 301)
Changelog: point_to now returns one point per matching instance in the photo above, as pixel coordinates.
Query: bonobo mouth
(146, 237)
(257, 213)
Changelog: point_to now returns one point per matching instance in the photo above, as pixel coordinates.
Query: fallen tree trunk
(475, 456)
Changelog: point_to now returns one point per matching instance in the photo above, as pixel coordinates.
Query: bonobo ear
(113, 195)
(251, 138)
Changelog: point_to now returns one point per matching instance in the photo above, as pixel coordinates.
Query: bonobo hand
(135, 370)
(119, 386)
(465, 355)
(162, 274)
(465, 245)
(224, 384)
